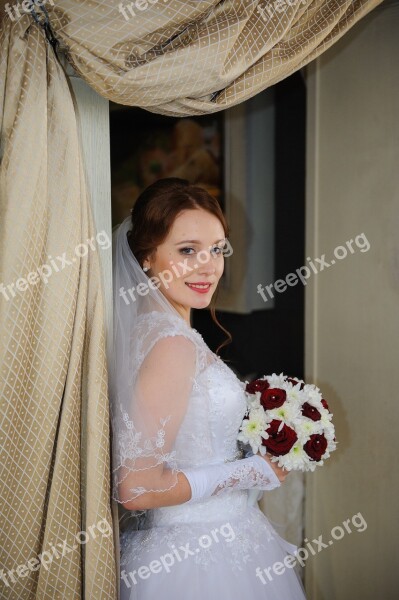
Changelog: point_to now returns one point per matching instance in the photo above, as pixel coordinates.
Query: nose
(207, 264)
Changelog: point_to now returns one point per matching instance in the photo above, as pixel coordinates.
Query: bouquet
(290, 420)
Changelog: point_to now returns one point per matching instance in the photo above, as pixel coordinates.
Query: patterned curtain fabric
(54, 428)
(182, 57)
(173, 57)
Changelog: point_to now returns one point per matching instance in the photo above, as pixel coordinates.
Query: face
(190, 261)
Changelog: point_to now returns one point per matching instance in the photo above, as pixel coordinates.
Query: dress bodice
(208, 432)
(216, 406)
(214, 414)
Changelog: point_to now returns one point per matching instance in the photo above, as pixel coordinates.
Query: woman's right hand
(279, 471)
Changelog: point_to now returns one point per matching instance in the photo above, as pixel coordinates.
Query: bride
(176, 410)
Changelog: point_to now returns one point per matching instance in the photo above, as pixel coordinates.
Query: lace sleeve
(145, 433)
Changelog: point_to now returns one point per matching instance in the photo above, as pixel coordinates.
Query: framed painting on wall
(146, 146)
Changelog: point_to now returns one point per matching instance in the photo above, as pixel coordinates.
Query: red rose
(311, 412)
(295, 381)
(258, 385)
(316, 446)
(273, 398)
(324, 403)
(279, 442)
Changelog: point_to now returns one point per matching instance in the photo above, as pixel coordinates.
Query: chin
(201, 303)
(197, 303)
(191, 299)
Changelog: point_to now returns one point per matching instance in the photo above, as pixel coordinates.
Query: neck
(184, 312)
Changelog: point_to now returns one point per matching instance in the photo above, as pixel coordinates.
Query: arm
(253, 472)
(179, 492)
(161, 395)
(199, 483)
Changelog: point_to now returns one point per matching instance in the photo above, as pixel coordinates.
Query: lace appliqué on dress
(242, 539)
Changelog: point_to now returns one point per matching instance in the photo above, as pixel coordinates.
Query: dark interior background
(272, 340)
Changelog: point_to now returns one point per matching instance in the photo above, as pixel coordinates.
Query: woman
(176, 412)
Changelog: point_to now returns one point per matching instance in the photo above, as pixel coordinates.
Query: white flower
(276, 381)
(331, 446)
(253, 429)
(253, 400)
(313, 396)
(329, 435)
(296, 459)
(326, 419)
(312, 464)
(288, 412)
(306, 427)
(295, 395)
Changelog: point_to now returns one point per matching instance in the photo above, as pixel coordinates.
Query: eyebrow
(197, 241)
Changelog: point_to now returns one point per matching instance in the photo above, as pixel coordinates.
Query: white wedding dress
(212, 548)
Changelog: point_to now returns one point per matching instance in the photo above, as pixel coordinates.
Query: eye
(218, 249)
(187, 251)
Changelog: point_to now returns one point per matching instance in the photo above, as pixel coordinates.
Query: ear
(147, 261)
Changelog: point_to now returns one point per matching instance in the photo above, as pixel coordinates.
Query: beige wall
(352, 307)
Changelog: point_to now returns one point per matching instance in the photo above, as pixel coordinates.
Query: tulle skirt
(223, 548)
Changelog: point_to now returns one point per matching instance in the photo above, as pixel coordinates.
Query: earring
(145, 269)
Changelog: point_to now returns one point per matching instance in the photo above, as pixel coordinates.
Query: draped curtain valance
(184, 57)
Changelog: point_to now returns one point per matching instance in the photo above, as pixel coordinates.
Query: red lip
(199, 291)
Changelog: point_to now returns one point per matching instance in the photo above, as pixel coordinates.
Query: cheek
(185, 267)
(165, 264)
(220, 268)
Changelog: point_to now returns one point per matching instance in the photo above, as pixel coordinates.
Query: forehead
(196, 224)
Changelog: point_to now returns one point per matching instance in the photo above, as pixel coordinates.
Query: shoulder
(172, 356)
(155, 325)
(167, 337)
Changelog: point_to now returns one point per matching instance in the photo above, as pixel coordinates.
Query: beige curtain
(175, 57)
(183, 57)
(54, 410)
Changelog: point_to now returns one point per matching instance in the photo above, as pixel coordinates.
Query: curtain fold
(54, 429)
(180, 57)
